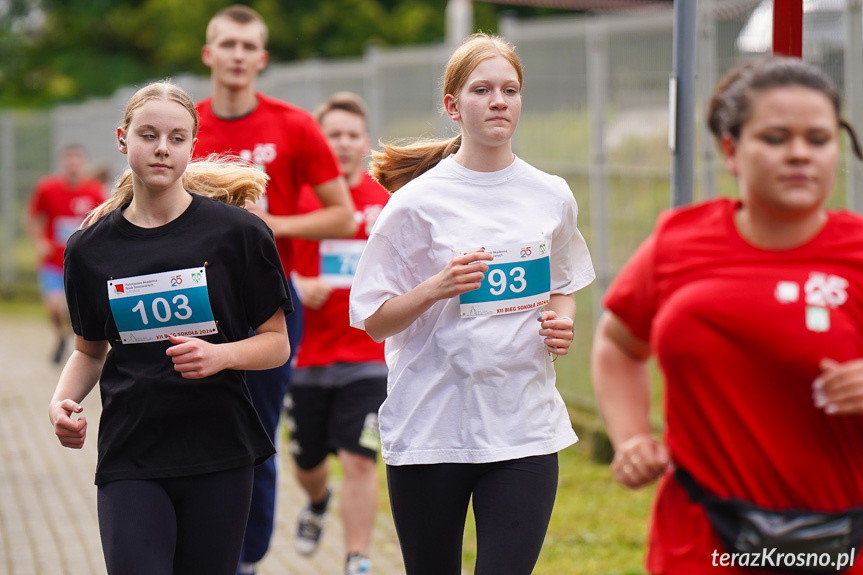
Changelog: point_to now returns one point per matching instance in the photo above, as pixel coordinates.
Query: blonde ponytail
(228, 179)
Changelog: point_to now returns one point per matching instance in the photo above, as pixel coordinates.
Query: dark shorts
(323, 420)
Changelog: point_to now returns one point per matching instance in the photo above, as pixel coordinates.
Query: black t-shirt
(154, 423)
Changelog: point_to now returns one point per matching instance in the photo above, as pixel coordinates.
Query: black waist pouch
(790, 541)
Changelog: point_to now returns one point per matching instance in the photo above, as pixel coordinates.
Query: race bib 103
(150, 307)
(518, 279)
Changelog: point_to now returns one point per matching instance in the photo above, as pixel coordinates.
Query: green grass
(22, 308)
(597, 528)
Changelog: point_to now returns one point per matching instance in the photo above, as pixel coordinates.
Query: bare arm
(78, 378)
(334, 220)
(34, 224)
(461, 274)
(195, 358)
(621, 381)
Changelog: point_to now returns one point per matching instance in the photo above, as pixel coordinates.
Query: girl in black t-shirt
(163, 286)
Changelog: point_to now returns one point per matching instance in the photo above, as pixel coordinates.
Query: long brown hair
(396, 165)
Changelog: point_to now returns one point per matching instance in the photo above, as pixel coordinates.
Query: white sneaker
(310, 525)
(358, 565)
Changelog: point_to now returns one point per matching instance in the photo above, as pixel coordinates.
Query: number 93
(498, 281)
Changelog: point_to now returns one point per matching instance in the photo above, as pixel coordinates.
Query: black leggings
(512, 503)
(184, 525)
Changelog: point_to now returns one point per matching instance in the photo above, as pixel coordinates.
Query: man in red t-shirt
(340, 378)
(57, 207)
(287, 143)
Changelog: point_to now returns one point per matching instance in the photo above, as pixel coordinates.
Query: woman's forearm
(399, 312)
(82, 370)
(461, 274)
(268, 348)
(562, 304)
(621, 380)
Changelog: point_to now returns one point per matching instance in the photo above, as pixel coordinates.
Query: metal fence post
(507, 25)
(459, 22)
(854, 99)
(706, 55)
(7, 198)
(682, 109)
(372, 65)
(597, 97)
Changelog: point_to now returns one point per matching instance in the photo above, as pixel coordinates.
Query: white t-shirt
(469, 389)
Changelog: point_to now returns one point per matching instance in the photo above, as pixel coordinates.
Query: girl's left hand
(839, 388)
(557, 332)
(194, 358)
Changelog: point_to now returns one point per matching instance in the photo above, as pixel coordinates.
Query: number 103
(162, 309)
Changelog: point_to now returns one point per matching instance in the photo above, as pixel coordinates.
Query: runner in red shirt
(340, 379)
(754, 310)
(287, 143)
(57, 207)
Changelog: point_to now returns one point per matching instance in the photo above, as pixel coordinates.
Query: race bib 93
(518, 279)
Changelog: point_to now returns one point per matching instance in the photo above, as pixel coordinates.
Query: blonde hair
(241, 15)
(396, 165)
(225, 178)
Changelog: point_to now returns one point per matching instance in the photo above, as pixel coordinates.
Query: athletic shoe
(310, 525)
(358, 564)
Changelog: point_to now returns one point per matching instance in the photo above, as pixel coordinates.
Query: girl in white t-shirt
(469, 275)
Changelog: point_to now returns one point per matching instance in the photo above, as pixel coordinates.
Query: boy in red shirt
(340, 379)
(57, 207)
(285, 142)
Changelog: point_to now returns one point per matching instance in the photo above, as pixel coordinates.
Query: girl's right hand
(313, 292)
(639, 461)
(70, 432)
(462, 274)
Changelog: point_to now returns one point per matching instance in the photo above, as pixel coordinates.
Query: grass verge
(597, 528)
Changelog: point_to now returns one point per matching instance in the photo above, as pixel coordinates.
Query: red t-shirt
(327, 335)
(282, 139)
(64, 208)
(739, 332)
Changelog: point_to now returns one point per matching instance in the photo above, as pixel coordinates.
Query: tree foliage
(65, 50)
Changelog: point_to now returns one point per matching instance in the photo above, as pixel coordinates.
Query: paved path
(48, 523)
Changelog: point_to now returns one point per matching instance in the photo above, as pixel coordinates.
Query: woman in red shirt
(753, 307)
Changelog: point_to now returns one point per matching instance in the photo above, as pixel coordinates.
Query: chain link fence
(595, 111)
